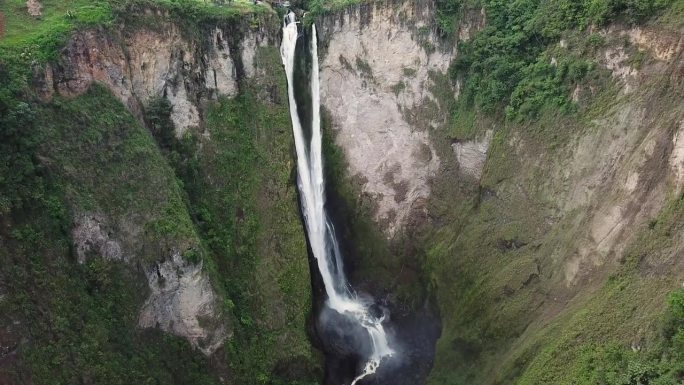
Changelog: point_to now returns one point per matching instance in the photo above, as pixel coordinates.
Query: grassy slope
(490, 294)
(59, 18)
(42, 37)
(246, 205)
(238, 190)
(101, 166)
(78, 322)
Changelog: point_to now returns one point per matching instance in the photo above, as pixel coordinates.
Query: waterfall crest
(311, 183)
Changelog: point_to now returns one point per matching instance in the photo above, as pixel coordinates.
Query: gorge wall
(140, 63)
(527, 226)
(137, 65)
(202, 212)
(566, 224)
(532, 246)
(380, 62)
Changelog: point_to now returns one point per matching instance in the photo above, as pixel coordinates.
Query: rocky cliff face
(620, 171)
(561, 204)
(380, 63)
(373, 94)
(182, 301)
(141, 63)
(564, 207)
(138, 64)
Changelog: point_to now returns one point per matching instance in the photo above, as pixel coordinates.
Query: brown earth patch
(2, 25)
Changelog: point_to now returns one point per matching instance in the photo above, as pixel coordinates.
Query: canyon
(492, 249)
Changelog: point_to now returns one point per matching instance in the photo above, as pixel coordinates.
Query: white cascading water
(312, 192)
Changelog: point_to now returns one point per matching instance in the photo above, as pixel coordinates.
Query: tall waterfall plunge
(341, 297)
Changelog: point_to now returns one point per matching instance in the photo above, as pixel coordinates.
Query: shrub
(506, 65)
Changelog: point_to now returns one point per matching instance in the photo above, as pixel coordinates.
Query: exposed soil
(2, 25)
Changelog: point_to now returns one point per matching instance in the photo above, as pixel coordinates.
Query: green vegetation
(18, 142)
(40, 38)
(101, 156)
(193, 16)
(240, 192)
(78, 321)
(515, 62)
(609, 363)
(81, 319)
(247, 211)
(320, 7)
(598, 343)
(232, 205)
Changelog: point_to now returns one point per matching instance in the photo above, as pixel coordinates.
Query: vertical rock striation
(377, 73)
(141, 63)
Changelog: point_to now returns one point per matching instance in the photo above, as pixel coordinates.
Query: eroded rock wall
(375, 74)
(137, 64)
(141, 63)
(566, 205)
(183, 302)
(619, 172)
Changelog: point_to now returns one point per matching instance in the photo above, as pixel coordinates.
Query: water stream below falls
(341, 297)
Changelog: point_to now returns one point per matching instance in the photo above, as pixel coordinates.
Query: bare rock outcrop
(92, 237)
(472, 154)
(371, 90)
(620, 173)
(625, 43)
(35, 8)
(183, 302)
(144, 63)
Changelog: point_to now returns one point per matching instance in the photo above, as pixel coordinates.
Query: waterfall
(340, 296)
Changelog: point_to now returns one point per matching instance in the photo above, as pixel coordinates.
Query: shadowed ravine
(343, 306)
